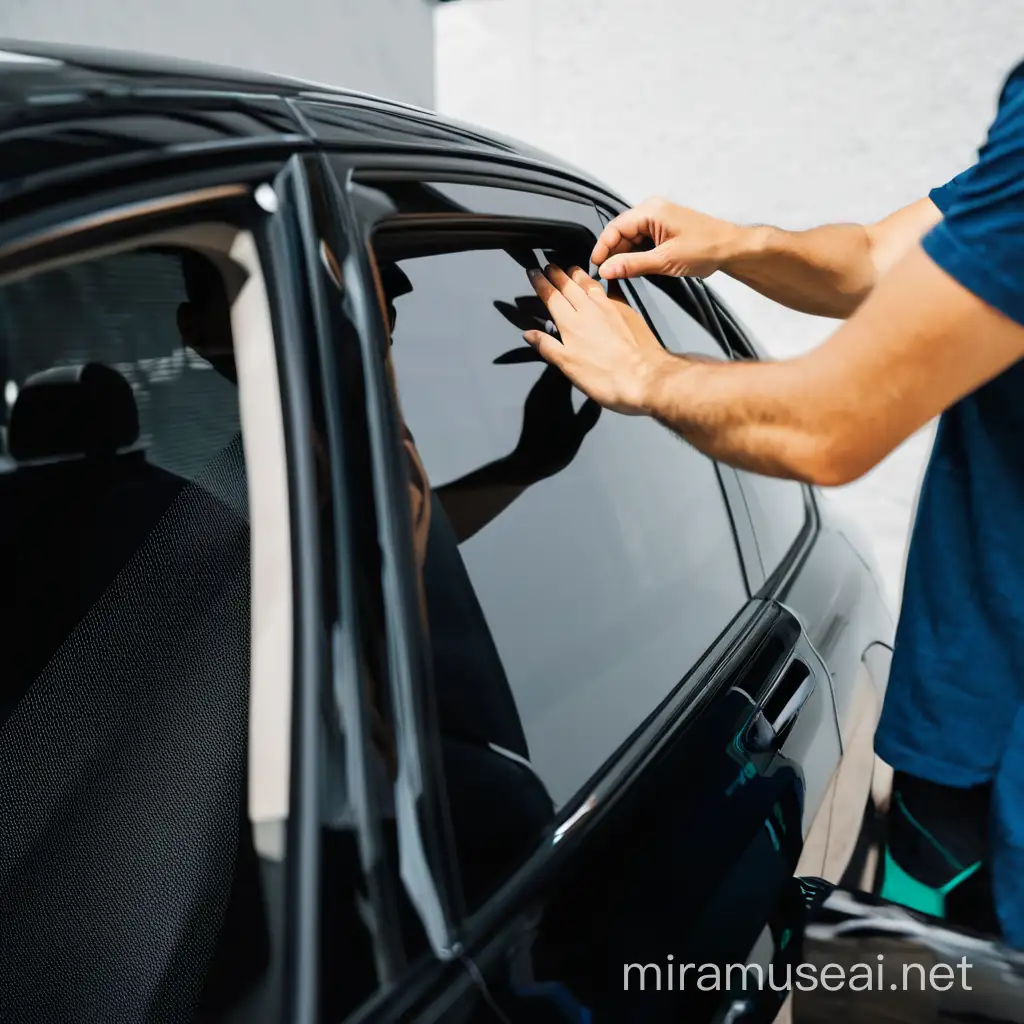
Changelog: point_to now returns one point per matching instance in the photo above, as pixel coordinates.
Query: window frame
(484, 936)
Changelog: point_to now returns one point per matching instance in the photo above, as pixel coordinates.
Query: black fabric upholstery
(75, 420)
(122, 774)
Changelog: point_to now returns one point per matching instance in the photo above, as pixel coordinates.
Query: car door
(611, 710)
(837, 596)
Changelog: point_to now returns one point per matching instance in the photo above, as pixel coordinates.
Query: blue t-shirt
(954, 711)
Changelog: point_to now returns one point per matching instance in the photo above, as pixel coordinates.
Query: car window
(133, 883)
(777, 507)
(678, 330)
(580, 562)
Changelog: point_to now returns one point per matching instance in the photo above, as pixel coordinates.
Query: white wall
(379, 46)
(778, 111)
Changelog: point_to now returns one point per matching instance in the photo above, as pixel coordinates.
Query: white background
(378, 46)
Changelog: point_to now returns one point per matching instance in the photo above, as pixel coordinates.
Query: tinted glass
(777, 507)
(130, 887)
(778, 510)
(598, 546)
(678, 330)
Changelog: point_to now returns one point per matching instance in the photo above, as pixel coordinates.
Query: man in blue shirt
(933, 303)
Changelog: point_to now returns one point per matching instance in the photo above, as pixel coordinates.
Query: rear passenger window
(579, 562)
(131, 887)
(777, 508)
(678, 330)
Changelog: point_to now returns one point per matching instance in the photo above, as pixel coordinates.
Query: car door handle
(772, 721)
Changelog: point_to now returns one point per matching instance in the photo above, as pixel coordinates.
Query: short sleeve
(944, 195)
(980, 241)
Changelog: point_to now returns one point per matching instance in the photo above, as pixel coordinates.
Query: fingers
(549, 348)
(562, 292)
(633, 264)
(623, 233)
(571, 289)
(557, 304)
(587, 284)
(630, 229)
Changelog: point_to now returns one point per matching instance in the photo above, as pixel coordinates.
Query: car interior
(125, 703)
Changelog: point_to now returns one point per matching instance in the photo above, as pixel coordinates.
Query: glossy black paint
(75, 111)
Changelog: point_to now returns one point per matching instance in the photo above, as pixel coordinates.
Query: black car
(356, 668)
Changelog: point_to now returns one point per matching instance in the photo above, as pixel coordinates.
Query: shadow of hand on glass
(550, 437)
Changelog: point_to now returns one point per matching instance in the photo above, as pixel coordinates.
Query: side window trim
(427, 877)
(743, 528)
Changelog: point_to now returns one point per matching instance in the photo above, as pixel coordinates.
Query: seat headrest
(73, 410)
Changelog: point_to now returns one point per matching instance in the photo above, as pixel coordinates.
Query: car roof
(62, 106)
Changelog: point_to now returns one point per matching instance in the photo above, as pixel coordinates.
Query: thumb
(633, 264)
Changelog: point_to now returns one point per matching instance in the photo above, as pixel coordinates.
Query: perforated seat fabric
(122, 779)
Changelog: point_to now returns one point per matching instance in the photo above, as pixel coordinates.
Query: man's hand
(611, 357)
(918, 344)
(686, 243)
(826, 271)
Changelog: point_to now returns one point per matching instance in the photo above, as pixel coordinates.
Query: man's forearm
(826, 271)
(748, 415)
(830, 270)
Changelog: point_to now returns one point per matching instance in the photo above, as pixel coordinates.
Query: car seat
(124, 745)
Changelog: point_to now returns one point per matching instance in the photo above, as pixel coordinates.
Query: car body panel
(94, 92)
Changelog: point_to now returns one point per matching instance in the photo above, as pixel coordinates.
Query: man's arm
(918, 344)
(827, 271)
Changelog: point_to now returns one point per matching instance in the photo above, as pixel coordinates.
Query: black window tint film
(597, 548)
